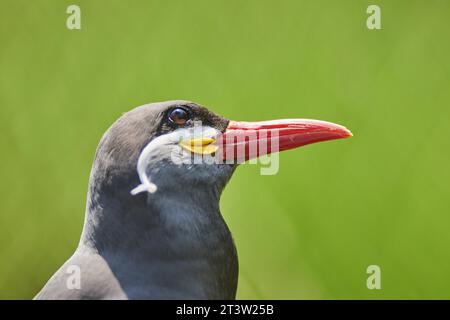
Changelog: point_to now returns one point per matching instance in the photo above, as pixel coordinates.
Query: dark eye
(179, 116)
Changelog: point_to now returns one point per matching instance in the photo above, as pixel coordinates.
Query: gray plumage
(173, 244)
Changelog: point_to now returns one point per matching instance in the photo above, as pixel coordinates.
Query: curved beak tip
(346, 133)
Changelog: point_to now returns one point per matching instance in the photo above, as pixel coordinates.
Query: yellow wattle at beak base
(199, 145)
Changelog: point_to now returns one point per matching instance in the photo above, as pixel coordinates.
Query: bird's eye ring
(179, 116)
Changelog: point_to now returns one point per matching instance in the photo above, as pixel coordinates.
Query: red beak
(247, 140)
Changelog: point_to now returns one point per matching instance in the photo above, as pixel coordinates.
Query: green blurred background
(333, 209)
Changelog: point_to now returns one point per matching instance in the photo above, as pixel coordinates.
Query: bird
(153, 227)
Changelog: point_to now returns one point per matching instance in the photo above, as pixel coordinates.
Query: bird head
(175, 146)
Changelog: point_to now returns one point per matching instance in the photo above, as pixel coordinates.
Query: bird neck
(164, 236)
(115, 217)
